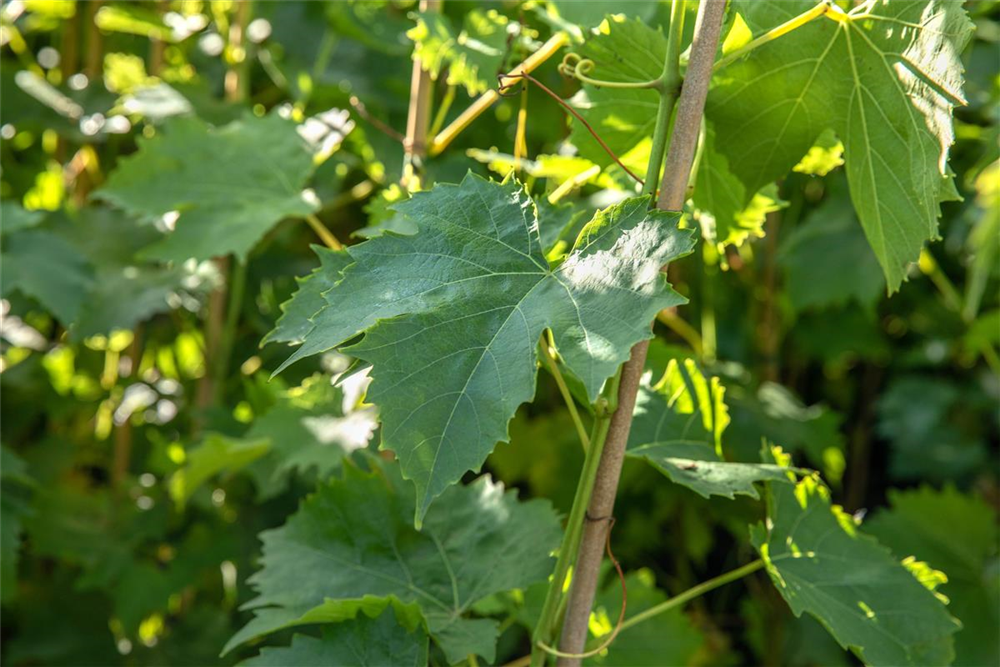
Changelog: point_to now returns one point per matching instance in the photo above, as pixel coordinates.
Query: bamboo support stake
(673, 193)
(418, 118)
(486, 100)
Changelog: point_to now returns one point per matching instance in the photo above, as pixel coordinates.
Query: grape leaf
(231, 184)
(867, 599)
(668, 639)
(778, 415)
(473, 56)
(884, 77)
(311, 430)
(46, 267)
(677, 426)
(353, 538)
(452, 316)
(827, 261)
(955, 533)
(294, 324)
(362, 642)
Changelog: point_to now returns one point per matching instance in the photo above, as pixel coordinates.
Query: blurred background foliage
(144, 446)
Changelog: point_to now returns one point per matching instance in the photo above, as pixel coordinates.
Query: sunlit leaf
(452, 316)
(884, 77)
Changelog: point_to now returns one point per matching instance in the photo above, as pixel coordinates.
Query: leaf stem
(323, 233)
(693, 592)
(442, 111)
(670, 79)
(547, 353)
(821, 9)
(548, 618)
(676, 324)
(237, 285)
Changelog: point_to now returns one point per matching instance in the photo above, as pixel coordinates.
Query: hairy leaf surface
(452, 316)
(884, 77)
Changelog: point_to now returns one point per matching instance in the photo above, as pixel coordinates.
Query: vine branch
(673, 192)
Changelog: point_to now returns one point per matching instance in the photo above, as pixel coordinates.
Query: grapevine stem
(693, 592)
(821, 9)
(574, 530)
(550, 361)
(673, 193)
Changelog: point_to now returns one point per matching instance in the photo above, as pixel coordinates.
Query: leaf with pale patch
(452, 316)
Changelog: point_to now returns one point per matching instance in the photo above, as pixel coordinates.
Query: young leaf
(353, 538)
(956, 533)
(867, 599)
(473, 56)
(884, 77)
(217, 453)
(231, 184)
(452, 316)
(677, 427)
(362, 642)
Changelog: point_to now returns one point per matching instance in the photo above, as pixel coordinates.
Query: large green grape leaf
(362, 642)
(452, 316)
(868, 600)
(15, 218)
(884, 77)
(46, 267)
(955, 533)
(473, 57)
(230, 184)
(669, 638)
(677, 426)
(354, 538)
(294, 323)
(827, 261)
